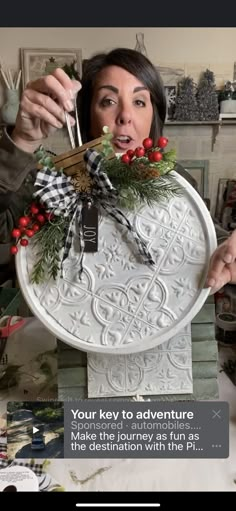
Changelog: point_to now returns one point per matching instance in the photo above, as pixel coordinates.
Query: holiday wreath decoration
(67, 200)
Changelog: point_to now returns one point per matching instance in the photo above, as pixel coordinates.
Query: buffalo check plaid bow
(57, 193)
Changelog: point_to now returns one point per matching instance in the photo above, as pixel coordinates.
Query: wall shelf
(216, 125)
(175, 123)
(198, 123)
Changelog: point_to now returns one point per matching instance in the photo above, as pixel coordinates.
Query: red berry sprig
(24, 242)
(162, 142)
(14, 250)
(24, 221)
(139, 152)
(34, 209)
(131, 153)
(125, 158)
(148, 150)
(155, 156)
(16, 233)
(148, 143)
(28, 225)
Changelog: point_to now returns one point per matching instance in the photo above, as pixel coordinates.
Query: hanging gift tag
(90, 228)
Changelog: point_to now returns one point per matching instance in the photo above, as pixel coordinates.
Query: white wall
(171, 44)
(164, 45)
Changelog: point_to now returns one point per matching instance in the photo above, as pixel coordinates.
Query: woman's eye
(107, 102)
(140, 102)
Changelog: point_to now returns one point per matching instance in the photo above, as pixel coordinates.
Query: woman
(222, 268)
(121, 89)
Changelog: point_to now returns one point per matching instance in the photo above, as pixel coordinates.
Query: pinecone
(149, 172)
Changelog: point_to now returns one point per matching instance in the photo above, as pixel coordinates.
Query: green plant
(228, 92)
(71, 70)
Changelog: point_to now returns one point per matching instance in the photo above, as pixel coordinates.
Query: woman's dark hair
(136, 64)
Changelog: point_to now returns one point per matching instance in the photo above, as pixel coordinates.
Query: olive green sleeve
(15, 164)
(17, 175)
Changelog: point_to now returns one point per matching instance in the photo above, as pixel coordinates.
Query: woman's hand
(222, 268)
(41, 109)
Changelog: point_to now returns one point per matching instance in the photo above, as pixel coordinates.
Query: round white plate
(18, 478)
(122, 305)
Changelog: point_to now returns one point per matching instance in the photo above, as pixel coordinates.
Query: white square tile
(166, 369)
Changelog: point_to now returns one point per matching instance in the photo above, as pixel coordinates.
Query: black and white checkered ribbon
(57, 193)
(36, 467)
(46, 481)
(3, 447)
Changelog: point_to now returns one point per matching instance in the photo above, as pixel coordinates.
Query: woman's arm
(17, 169)
(15, 165)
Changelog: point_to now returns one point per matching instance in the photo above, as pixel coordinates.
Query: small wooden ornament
(72, 161)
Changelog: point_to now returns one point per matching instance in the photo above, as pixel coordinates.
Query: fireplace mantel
(216, 125)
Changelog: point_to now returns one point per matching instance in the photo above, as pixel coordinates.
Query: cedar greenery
(149, 192)
(142, 183)
(49, 241)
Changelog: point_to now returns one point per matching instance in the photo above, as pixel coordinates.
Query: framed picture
(220, 198)
(84, 64)
(228, 218)
(171, 74)
(170, 92)
(199, 169)
(36, 62)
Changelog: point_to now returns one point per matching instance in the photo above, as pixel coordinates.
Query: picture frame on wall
(84, 64)
(228, 218)
(220, 198)
(36, 62)
(199, 170)
(170, 93)
(171, 74)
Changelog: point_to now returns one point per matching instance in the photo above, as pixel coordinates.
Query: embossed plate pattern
(122, 305)
(165, 369)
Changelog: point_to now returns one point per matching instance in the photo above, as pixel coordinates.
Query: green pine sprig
(49, 241)
(150, 191)
(135, 186)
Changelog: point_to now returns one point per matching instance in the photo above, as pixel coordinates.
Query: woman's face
(121, 102)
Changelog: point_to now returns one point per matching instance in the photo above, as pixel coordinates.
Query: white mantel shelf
(216, 125)
(219, 122)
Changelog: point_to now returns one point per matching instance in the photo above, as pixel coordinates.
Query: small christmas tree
(186, 108)
(71, 71)
(51, 65)
(69, 68)
(207, 97)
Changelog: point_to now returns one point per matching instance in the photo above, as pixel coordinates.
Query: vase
(228, 106)
(140, 46)
(10, 108)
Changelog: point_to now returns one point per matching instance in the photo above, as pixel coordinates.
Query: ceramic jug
(10, 108)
